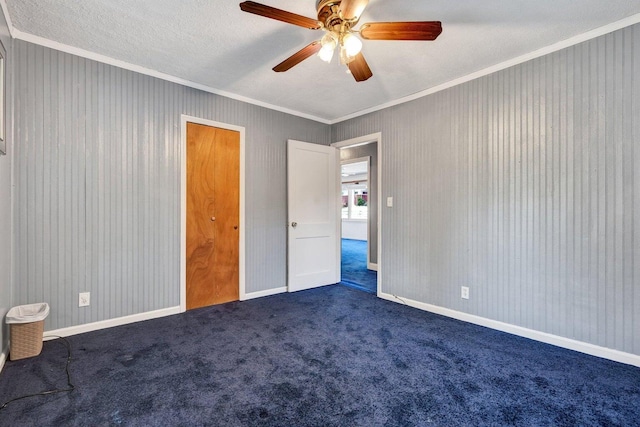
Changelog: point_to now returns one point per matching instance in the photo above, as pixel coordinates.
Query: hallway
(354, 266)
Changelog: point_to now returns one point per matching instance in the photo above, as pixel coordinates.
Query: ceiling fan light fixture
(326, 53)
(352, 44)
(344, 57)
(328, 43)
(338, 18)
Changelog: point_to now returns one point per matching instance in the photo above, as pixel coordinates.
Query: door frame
(363, 140)
(184, 119)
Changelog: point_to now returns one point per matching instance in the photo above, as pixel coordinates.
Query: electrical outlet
(84, 299)
(464, 292)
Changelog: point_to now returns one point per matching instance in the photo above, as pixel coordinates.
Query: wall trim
(572, 41)
(110, 323)
(31, 38)
(7, 17)
(570, 344)
(4, 338)
(363, 140)
(3, 357)
(125, 320)
(260, 294)
(597, 32)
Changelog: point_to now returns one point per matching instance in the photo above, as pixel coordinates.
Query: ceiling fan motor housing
(329, 15)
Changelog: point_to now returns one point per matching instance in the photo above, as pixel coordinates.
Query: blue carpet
(330, 356)
(354, 266)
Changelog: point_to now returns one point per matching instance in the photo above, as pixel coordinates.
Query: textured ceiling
(214, 44)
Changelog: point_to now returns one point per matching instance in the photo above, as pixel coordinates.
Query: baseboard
(583, 347)
(3, 357)
(372, 266)
(266, 293)
(119, 321)
(110, 323)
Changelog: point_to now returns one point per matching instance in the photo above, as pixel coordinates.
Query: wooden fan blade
(352, 9)
(280, 15)
(427, 30)
(359, 68)
(298, 57)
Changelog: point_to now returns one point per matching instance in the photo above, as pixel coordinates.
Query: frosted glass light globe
(352, 44)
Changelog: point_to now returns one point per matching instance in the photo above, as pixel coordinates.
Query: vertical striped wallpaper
(525, 186)
(97, 185)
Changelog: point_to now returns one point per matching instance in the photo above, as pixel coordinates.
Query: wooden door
(313, 210)
(213, 215)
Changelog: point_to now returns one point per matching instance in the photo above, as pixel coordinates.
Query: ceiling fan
(337, 19)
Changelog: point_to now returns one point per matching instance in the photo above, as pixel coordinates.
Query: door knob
(294, 224)
(213, 218)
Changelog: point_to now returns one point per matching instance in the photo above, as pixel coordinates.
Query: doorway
(356, 236)
(212, 193)
(360, 214)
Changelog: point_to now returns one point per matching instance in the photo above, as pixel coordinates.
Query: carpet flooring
(330, 356)
(354, 270)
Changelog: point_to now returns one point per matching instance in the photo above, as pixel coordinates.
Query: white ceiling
(350, 169)
(212, 44)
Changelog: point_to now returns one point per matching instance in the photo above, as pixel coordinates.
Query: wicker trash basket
(26, 327)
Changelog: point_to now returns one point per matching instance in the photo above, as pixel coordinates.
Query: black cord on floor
(44, 393)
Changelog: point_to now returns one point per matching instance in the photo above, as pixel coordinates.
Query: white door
(314, 206)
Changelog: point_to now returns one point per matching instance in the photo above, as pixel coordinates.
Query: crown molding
(20, 35)
(5, 12)
(572, 41)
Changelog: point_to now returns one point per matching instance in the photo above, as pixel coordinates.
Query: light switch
(389, 202)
